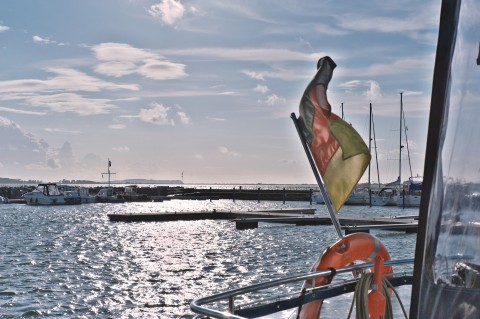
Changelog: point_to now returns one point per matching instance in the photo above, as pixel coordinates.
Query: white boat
(445, 281)
(107, 195)
(317, 198)
(3, 200)
(385, 197)
(72, 197)
(45, 194)
(412, 194)
(85, 197)
(358, 197)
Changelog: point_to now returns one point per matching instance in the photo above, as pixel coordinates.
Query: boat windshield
(450, 276)
(457, 260)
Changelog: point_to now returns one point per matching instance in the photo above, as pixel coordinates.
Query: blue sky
(204, 87)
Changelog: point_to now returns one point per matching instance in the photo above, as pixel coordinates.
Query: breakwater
(159, 193)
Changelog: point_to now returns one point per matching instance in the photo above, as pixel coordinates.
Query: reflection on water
(72, 262)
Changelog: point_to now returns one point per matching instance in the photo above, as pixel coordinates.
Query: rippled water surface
(72, 262)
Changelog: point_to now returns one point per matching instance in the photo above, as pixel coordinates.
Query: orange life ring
(345, 252)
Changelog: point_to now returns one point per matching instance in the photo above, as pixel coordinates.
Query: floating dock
(214, 214)
(295, 216)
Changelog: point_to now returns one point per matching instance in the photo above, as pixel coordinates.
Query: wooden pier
(348, 224)
(295, 216)
(214, 214)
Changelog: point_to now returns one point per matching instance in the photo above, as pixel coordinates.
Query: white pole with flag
(326, 197)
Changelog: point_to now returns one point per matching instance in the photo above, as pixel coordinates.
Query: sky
(203, 90)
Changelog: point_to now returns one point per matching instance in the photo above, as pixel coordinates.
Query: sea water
(72, 262)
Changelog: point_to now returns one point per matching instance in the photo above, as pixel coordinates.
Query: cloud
(4, 28)
(273, 99)
(41, 40)
(117, 126)
(20, 148)
(420, 19)
(372, 91)
(121, 149)
(247, 54)
(57, 130)
(38, 39)
(215, 119)
(287, 75)
(119, 59)
(261, 88)
(225, 151)
(170, 11)
(157, 114)
(71, 102)
(184, 119)
(10, 110)
(64, 79)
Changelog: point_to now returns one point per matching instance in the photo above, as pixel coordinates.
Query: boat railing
(287, 301)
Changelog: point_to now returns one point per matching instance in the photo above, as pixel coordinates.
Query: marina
(338, 248)
(71, 261)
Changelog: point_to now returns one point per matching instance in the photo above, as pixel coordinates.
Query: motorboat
(85, 196)
(107, 195)
(357, 269)
(45, 194)
(72, 197)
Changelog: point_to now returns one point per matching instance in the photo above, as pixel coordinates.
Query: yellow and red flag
(338, 150)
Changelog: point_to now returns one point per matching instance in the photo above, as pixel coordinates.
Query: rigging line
(406, 140)
(376, 153)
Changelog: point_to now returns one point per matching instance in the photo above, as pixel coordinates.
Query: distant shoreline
(4, 181)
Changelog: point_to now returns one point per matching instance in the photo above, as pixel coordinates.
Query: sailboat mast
(400, 144)
(370, 149)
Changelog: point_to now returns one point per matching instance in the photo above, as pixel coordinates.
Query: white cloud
(157, 114)
(261, 88)
(71, 102)
(121, 149)
(4, 28)
(10, 110)
(38, 39)
(117, 126)
(371, 89)
(119, 59)
(273, 99)
(248, 54)
(170, 11)
(374, 91)
(225, 151)
(57, 130)
(21, 149)
(215, 119)
(184, 119)
(41, 40)
(65, 79)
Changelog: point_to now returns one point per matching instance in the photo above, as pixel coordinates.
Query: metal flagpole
(319, 179)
